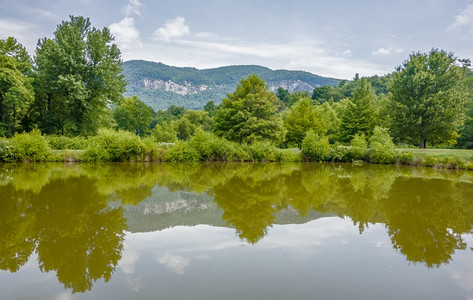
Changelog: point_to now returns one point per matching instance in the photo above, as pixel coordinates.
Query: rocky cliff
(159, 85)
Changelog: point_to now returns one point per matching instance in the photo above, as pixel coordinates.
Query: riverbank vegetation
(65, 104)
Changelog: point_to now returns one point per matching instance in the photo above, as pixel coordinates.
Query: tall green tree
(199, 118)
(250, 113)
(428, 98)
(134, 115)
(211, 108)
(79, 74)
(359, 115)
(16, 90)
(466, 131)
(299, 119)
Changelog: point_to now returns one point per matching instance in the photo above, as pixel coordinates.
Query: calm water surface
(235, 231)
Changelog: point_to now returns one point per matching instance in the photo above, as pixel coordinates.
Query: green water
(235, 231)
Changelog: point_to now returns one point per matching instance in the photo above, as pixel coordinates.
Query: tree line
(73, 86)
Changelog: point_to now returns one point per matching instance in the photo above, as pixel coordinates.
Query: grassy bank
(111, 145)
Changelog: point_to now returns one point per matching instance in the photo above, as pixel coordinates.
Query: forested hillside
(160, 85)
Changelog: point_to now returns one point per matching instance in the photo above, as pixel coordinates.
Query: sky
(336, 38)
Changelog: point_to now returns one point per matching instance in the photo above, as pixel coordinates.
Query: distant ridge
(160, 85)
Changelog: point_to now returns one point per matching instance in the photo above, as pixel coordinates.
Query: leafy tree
(171, 114)
(199, 118)
(249, 113)
(165, 132)
(16, 90)
(184, 129)
(79, 73)
(133, 115)
(211, 108)
(328, 121)
(283, 95)
(428, 98)
(466, 131)
(298, 121)
(326, 93)
(176, 111)
(382, 150)
(296, 96)
(360, 114)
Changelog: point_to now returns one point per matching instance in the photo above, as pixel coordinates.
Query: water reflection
(72, 216)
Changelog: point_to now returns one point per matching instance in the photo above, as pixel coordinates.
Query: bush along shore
(123, 146)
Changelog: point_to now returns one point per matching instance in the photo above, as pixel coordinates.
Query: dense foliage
(428, 99)
(249, 114)
(359, 116)
(16, 89)
(78, 75)
(133, 115)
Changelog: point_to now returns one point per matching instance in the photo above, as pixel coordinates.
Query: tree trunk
(423, 144)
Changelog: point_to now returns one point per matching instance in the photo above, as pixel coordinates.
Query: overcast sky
(336, 38)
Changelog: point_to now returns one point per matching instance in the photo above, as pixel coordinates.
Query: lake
(235, 231)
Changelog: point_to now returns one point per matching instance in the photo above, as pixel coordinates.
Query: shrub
(469, 165)
(5, 149)
(151, 150)
(452, 162)
(26, 147)
(111, 145)
(182, 152)
(60, 142)
(382, 149)
(212, 148)
(359, 147)
(340, 153)
(241, 152)
(284, 155)
(315, 147)
(429, 161)
(262, 151)
(406, 158)
(205, 144)
(223, 149)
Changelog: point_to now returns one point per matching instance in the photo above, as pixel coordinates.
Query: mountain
(165, 209)
(160, 85)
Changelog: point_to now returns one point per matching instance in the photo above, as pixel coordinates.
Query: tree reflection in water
(64, 217)
(65, 213)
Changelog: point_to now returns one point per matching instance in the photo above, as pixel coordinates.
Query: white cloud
(209, 51)
(338, 67)
(132, 8)
(464, 19)
(386, 51)
(27, 34)
(264, 50)
(174, 263)
(381, 51)
(65, 296)
(345, 53)
(12, 27)
(461, 269)
(172, 29)
(126, 35)
(206, 35)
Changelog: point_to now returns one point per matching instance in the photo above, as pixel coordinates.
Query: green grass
(464, 154)
(443, 158)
